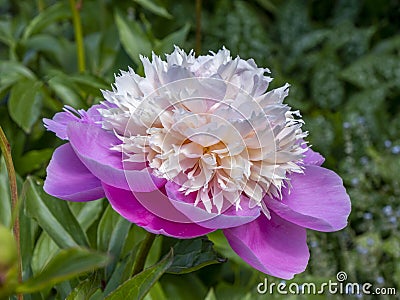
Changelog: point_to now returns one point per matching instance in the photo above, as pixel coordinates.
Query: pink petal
(311, 157)
(127, 204)
(316, 200)
(92, 145)
(275, 247)
(68, 179)
(60, 121)
(230, 217)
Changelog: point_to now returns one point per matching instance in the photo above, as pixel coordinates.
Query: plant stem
(143, 252)
(6, 150)
(198, 26)
(76, 19)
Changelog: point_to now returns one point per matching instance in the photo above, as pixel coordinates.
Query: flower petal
(69, 179)
(228, 218)
(93, 145)
(126, 203)
(316, 200)
(275, 247)
(311, 157)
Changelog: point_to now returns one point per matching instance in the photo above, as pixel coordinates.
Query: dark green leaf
(57, 12)
(133, 39)
(54, 216)
(67, 264)
(138, 286)
(33, 160)
(191, 255)
(111, 235)
(154, 8)
(175, 38)
(25, 103)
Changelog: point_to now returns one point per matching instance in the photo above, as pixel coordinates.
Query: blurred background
(342, 59)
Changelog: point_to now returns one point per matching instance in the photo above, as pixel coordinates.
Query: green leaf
(191, 255)
(5, 200)
(54, 216)
(133, 39)
(211, 295)
(67, 264)
(85, 290)
(33, 160)
(86, 212)
(156, 293)
(54, 13)
(66, 90)
(45, 250)
(138, 286)
(154, 8)
(111, 235)
(166, 45)
(25, 103)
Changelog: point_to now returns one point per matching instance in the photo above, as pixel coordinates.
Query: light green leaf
(156, 293)
(86, 212)
(25, 103)
(85, 290)
(191, 255)
(57, 12)
(5, 200)
(133, 39)
(154, 8)
(66, 90)
(211, 295)
(166, 45)
(138, 286)
(45, 250)
(67, 264)
(54, 216)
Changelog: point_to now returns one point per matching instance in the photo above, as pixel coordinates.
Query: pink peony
(197, 145)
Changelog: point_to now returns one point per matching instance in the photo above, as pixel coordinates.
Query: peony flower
(196, 145)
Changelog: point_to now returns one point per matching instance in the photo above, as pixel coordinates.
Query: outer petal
(128, 206)
(92, 145)
(69, 179)
(316, 200)
(275, 247)
(228, 218)
(311, 157)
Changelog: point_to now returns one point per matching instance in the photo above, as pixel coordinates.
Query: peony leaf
(133, 39)
(25, 103)
(54, 216)
(111, 235)
(176, 38)
(191, 255)
(52, 14)
(138, 286)
(5, 202)
(154, 8)
(67, 264)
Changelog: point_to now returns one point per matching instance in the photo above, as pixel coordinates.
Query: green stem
(6, 150)
(198, 27)
(76, 19)
(143, 252)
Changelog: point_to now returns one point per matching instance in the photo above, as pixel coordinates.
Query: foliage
(341, 58)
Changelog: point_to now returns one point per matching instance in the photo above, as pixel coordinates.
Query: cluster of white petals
(208, 124)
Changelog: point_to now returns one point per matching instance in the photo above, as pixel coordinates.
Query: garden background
(342, 59)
